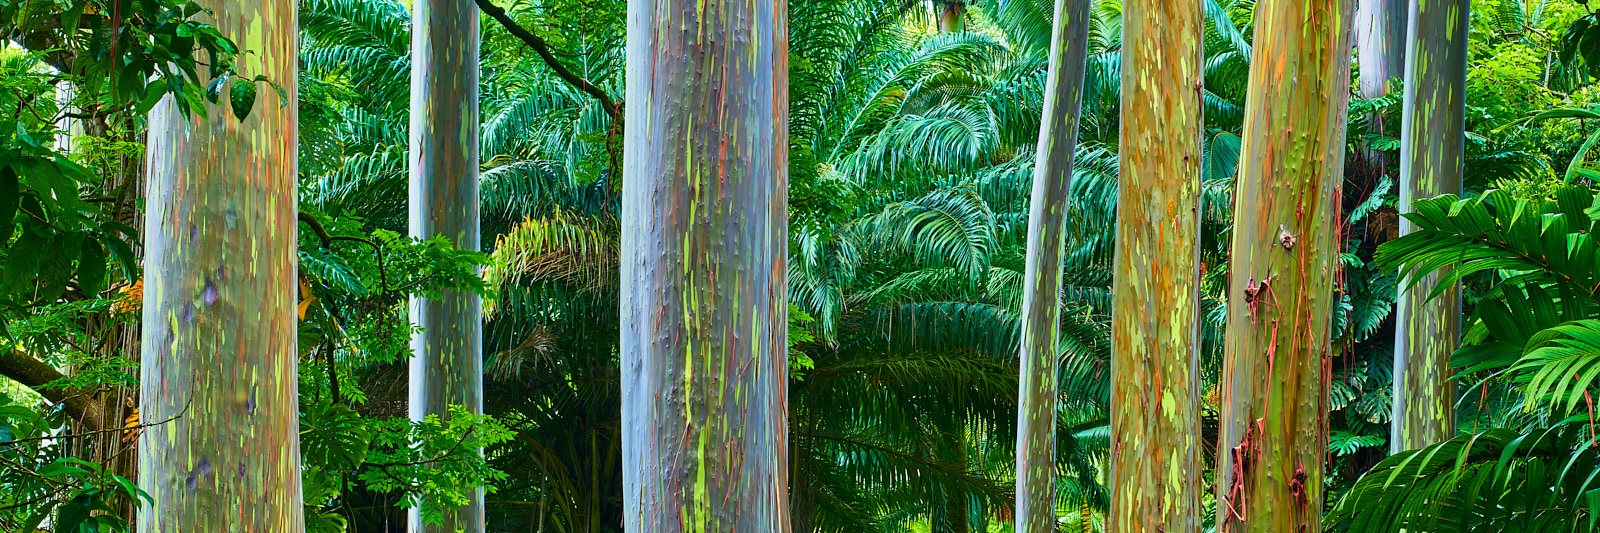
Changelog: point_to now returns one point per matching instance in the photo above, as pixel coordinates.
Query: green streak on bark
(1272, 431)
(219, 299)
(1155, 390)
(1047, 221)
(1432, 159)
(704, 237)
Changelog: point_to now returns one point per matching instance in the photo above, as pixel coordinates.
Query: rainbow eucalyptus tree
(1432, 159)
(447, 360)
(218, 376)
(1379, 31)
(704, 237)
(1155, 321)
(1041, 291)
(1272, 435)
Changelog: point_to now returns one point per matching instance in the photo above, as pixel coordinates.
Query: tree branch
(35, 374)
(328, 240)
(542, 48)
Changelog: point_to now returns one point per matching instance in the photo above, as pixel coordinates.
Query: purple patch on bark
(209, 294)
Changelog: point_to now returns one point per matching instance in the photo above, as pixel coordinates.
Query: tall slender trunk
(1272, 431)
(71, 127)
(219, 299)
(1041, 289)
(1380, 41)
(447, 360)
(1432, 159)
(951, 503)
(704, 237)
(1155, 322)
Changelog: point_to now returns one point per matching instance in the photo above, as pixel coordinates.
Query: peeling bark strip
(1432, 160)
(447, 355)
(1041, 291)
(219, 299)
(704, 238)
(1273, 432)
(1155, 325)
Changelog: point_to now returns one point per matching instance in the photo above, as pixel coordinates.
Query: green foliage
(43, 481)
(1582, 41)
(54, 241)
(1496, 480)
(1580, 165)
(430, 463)
(799, 362)
(1534, 327)
(119, 59)
(150, 50)
(1345, 442)
(1559, 365)
(910, 169)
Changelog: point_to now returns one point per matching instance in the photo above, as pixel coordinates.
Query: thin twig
(97, 432)
(542, 48)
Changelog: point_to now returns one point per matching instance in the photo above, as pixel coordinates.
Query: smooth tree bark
(1380, 42)
(447, 355)
(1041, 288)
(1432, 160)
(1155, 320)
(218, 374)
(704, 237)
(1272, 430)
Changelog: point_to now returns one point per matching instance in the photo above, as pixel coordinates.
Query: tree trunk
(704, 238)
(1432, 159)
(1155, 326)
(952, 16)
(1380, 36)
(950, 503)
(1272, 429)
(1041, 291)
(447, 360)
(219, 350)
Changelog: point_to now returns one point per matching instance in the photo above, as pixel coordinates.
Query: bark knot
(1285, 239)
